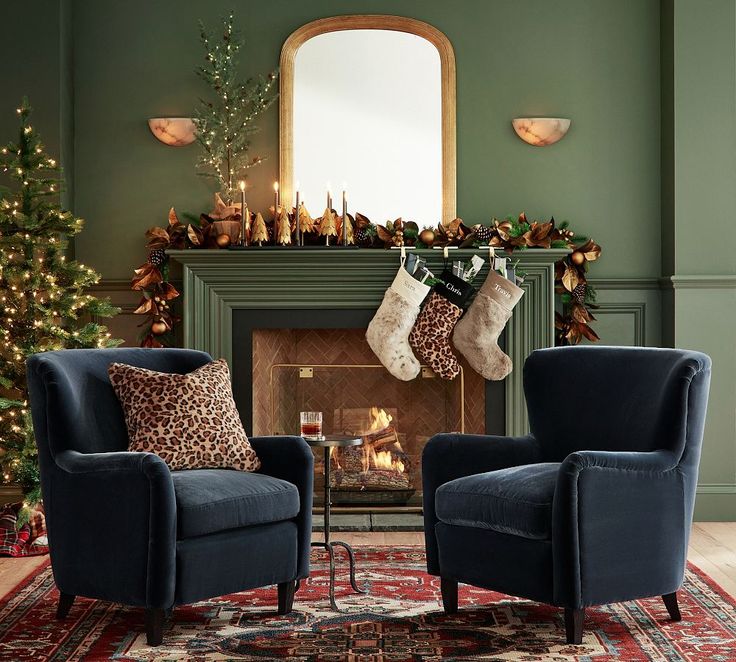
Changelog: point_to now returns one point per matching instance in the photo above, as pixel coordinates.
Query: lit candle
(296, 217)
(243, 223)
(275, 199)
(329, 195)
(344, 214)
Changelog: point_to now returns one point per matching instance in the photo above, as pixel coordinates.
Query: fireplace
(333, 370)
(229, 295)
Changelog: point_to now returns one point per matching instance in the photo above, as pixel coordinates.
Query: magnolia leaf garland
(577, 296)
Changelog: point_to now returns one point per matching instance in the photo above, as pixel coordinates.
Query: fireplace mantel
(216, 282)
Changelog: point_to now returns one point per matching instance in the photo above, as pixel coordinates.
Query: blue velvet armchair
(124, 528)
(595, 505)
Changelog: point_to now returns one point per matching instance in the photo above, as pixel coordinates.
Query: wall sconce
(540, 131)
(173, 131)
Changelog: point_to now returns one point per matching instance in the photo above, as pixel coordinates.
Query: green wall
(701, 160)
(596, 62)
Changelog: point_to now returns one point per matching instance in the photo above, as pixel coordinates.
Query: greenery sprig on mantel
(225, 122)
(576, 295)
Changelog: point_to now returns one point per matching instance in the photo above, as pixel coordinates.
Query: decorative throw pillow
(189, 421)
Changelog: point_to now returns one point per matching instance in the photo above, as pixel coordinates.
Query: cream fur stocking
(388, 331)
(476, 334)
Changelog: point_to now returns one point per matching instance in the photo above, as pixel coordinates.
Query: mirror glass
(367, 114)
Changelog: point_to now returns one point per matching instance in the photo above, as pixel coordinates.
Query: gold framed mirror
(330, 117)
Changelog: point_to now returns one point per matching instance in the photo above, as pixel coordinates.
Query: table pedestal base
(329, 547)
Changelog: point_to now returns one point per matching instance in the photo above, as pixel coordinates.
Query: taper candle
(296, 218)
(275, 199)
(344, 215)
(243, 224)
(329, 196)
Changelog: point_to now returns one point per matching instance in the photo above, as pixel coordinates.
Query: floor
(712, 549)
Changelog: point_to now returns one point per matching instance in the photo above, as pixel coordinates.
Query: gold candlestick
(243, 221)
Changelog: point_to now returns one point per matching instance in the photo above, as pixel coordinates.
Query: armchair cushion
(517, 500)
(213, 500)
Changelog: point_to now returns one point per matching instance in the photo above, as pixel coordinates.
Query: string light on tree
(34, 233)
(225, 122)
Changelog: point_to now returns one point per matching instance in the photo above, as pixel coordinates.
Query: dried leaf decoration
(570, 277)
(538, 235)
(590, 250)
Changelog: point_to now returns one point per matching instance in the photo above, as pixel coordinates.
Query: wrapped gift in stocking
(388, 331)
(476, 334)
(430, 336)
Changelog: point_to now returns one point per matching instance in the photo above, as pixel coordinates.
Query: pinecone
(157, 257)
(361, 236)
(579, 293)
(482, 232)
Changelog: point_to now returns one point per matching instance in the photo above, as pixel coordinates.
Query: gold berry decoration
(223, 240)
(427, 236)
(577, 258)
(158, 328)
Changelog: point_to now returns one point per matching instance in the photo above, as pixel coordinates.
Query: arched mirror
(368, 102)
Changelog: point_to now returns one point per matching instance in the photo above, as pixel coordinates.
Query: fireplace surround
(234, 299)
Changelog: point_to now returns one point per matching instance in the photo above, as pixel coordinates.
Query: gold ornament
(306, 222)
(427, 236)
(259, 233)
(577, 258)
(328, 226)
(158, 328)
(223, 240)
(283, 228)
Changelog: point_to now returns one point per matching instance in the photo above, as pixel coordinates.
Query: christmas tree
(226, 122)
(43, 300)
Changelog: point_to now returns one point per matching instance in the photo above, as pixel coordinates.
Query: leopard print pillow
(189, 421)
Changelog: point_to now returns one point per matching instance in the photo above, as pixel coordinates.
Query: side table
(328, 442)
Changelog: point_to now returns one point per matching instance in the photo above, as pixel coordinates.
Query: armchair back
(617, 399)
(73, 403)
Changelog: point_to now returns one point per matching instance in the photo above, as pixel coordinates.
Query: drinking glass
(311, 424)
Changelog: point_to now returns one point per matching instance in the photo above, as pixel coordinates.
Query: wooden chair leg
(574, 625)
(670, 601)
(286, 597)
(155, 626)
(449, 595)
(65, 604)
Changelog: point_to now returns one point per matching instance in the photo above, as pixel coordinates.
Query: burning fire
(380, 420)
(383, 459)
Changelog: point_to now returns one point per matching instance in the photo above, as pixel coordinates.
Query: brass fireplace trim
(371, 22)
(461, 377)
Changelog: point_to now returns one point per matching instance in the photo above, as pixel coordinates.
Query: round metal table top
(338, 440)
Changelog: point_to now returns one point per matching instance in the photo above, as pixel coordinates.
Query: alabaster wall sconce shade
(173, 131)
(540, 131)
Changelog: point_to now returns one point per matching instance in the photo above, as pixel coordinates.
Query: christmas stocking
(430, 336)
(388, 332)
(476, 335)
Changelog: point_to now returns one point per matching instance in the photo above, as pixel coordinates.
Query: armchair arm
(450, 456)
(291, 459)
(619, 528)
(112, 527)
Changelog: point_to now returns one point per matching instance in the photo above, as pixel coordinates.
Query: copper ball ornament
(577, 258)
(158, 328)
(223, 240)
(427, 237)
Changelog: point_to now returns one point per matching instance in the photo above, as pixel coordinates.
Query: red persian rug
(399, 620)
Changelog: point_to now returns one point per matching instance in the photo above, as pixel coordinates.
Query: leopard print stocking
(430, 336)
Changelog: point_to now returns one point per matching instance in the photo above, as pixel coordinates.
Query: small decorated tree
(226, 121)
(43, 299)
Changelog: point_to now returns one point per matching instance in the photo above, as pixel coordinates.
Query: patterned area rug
(399, 620)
